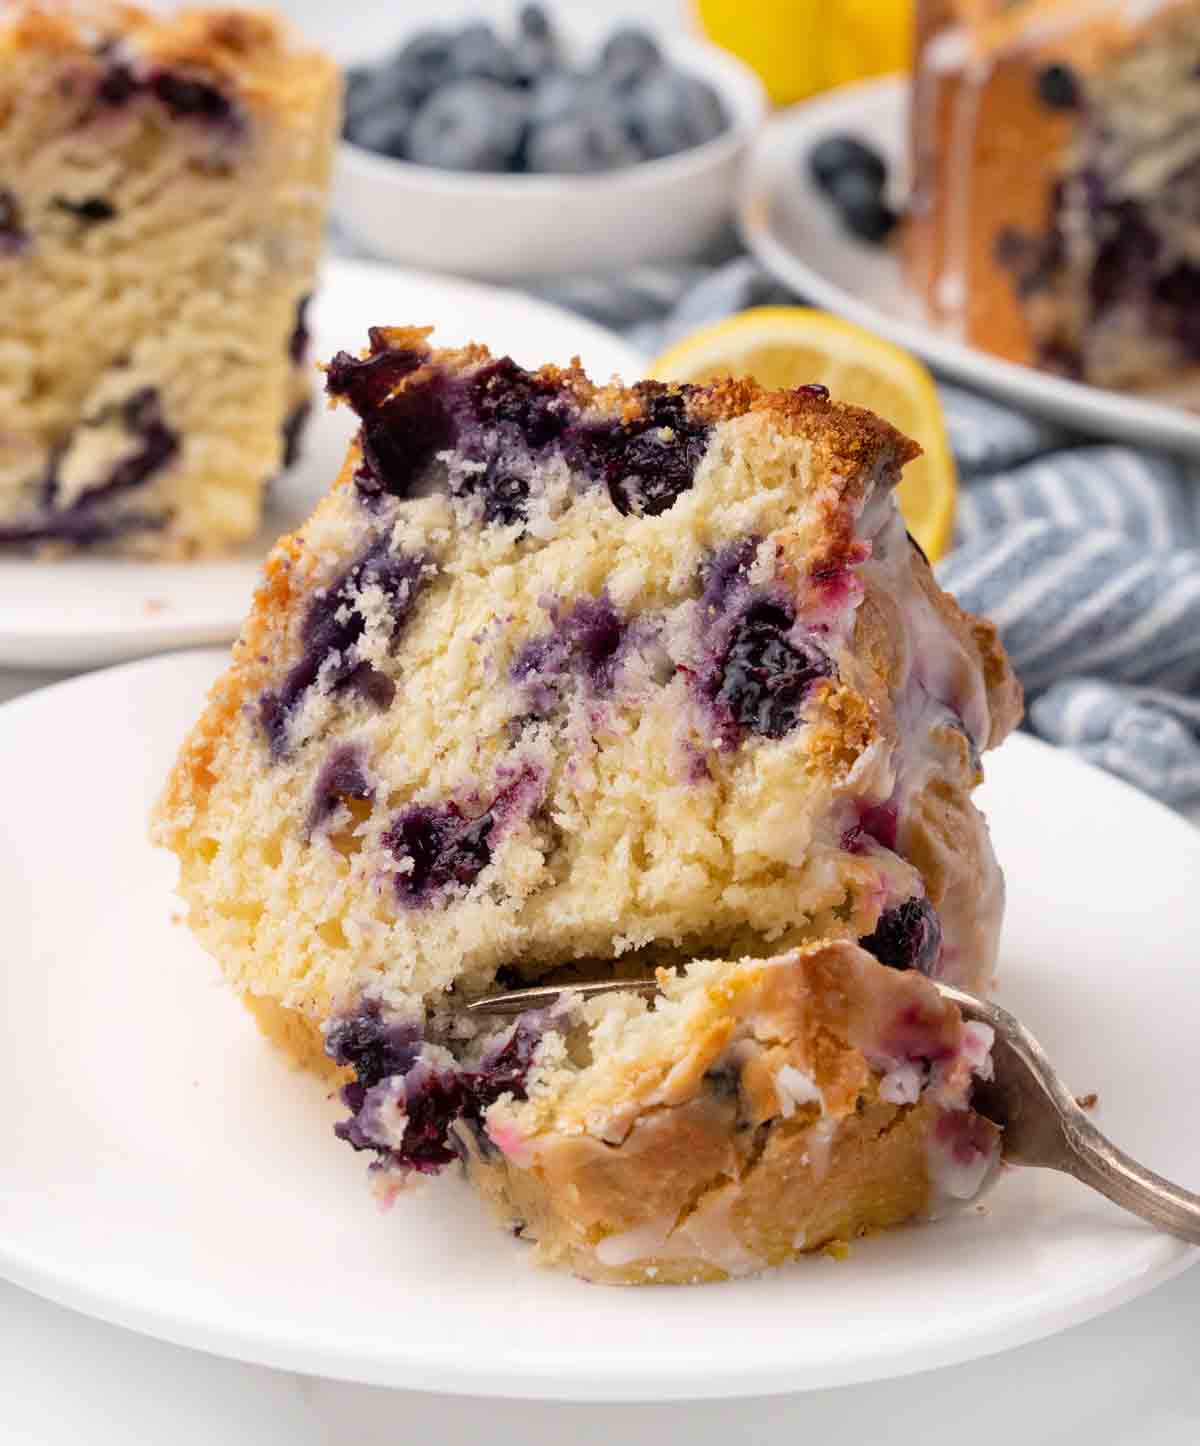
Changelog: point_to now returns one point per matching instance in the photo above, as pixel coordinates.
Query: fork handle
(1097, 1162)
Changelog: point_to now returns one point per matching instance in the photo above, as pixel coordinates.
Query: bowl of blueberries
(513, 155)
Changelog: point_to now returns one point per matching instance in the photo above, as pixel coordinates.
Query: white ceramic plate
(81, 611)
(793, 231)
(164, 1169)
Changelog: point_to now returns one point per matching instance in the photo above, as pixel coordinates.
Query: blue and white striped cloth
(1086, 557)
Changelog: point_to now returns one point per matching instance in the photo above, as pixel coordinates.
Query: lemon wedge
(786, 346)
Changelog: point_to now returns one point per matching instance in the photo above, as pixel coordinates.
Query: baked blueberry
(372, 1045)
(12, 234)
(1058, 87)
(90, 210)
(437, 848)
(764, 677)
(186, 95)
(332, 626)
(907, 937)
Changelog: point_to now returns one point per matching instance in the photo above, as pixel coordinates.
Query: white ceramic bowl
(507, 227)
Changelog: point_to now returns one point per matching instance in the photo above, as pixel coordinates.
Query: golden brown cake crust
(678, 1174)
(253, 50)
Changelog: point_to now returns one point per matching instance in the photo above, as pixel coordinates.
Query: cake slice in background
(1056, 156)
(162, 197)
(568, 681)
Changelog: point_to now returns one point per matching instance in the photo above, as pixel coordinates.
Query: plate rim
(62, 643)
(1070, 403)
(634, 1378)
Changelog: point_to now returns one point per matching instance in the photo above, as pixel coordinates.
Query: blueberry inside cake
(567, 682)
(162, 196)
(1055, 214)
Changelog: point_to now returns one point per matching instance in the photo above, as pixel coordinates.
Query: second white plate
(81, 611)
(164, 1169)
(792, 229)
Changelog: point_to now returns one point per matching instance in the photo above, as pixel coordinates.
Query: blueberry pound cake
(1055, 215)
(162, 196)
(567, 682)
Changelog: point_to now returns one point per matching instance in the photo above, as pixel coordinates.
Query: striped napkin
(1086, 557)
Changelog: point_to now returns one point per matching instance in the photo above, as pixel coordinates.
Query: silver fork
(1042, 1123)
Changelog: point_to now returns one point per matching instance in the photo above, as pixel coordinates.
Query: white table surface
(1127, 1379)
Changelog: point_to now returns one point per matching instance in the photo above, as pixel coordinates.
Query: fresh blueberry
(1058, 87)
(907, 937)
(380, 93)
(421, 65)
(535, 50)
(534, 22)
(763, 677)
(842, 155)
(384, 131)
(628, 57)
(471, 125)
(478, 54)
(581, 145)
(555, 95)
(862, 209)
(670, 112)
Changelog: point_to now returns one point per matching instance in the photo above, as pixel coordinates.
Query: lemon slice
(786, 346)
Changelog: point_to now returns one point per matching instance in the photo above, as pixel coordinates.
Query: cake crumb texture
(162, 195)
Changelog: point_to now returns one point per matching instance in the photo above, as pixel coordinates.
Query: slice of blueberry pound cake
(565, 681)
(162, 196)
